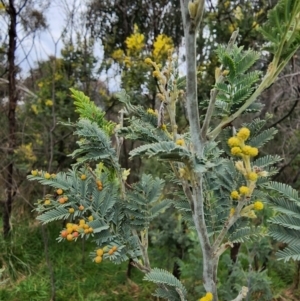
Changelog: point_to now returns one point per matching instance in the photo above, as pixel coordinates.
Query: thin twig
(227, 226)
(20, 87)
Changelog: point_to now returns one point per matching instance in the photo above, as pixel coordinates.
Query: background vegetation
(33, 105)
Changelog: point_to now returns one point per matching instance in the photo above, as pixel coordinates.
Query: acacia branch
(191, 75)
(242, 294)
(227, 226)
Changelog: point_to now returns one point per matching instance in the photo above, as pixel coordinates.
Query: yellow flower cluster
(249, 151)
(243, 190)
(152, 112)
(237, 144)
(118, 55)
(161, 46)
(251, 174)
(238, 13)
(135, 42)
(208, 297)
(49, 103)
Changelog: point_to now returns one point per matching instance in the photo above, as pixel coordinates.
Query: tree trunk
(12, 91)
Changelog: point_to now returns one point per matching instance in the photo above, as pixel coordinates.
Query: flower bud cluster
(250, 173)
(237, 144)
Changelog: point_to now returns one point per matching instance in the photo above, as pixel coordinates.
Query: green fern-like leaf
(167, 150)
(286, 221)
(285, 235)
(59, 213)
(247, 60)
(95, 145)
(243, 234)
(262, 138)
(88, 110)
(281, 28)
(285, 206)
(284, 190)
(292, 252)
(162, 277)
(266, 161)
(238, 85)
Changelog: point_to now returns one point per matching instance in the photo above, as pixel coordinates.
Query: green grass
(76, 277)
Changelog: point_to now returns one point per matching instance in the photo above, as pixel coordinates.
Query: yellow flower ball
(163, 127)
(156, 74)
(243, 134)
(252, 176)
(244, 190)
(246, 150)
(34, 172)
(258, 205)
(152, 112)
(47, 202)
(234, 141)
(180, 142)
(47, 175)
(236, 151)
(148, 61)
(231, 213)
(253, 152)
(98, 259)
(209, 296)
(234, 195)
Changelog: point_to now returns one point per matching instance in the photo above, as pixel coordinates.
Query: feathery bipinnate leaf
(88, 110)
(285, 225)
(238, 84)
(243, 234)
(94, 145)
(290, 252)
(165, 278)
(143, 130)
(144, 201)
(262, 138)
(59, 213)
(284, 235)
(284, 190)
(282, 28)
(167, 150)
